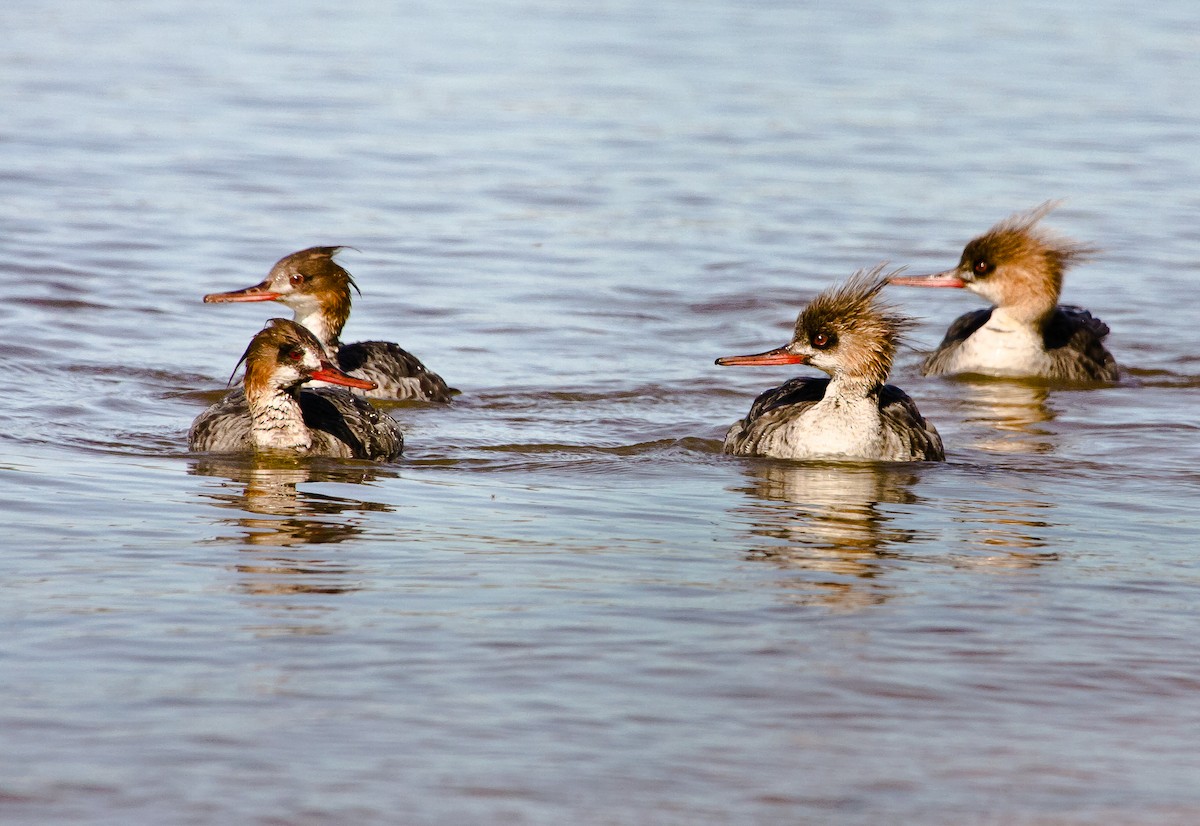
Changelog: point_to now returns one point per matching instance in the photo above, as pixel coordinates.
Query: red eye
(983, 267)
(295, 354)
(296, 279)
(821, 340)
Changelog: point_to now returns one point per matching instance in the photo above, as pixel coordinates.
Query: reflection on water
(1001, 533)
(270, 487)
(274, 513)
(825, 522)
(1012, 412)
(839, 529)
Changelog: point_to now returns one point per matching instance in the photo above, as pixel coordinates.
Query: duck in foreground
(846, 332)
(1027, 333)
(271, 411)
(317, 289)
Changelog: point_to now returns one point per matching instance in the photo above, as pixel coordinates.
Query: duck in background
(1019, 268)
(317, 290)
(273, 412)
(848, 333)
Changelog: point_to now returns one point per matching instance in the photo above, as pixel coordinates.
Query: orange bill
(949, 278)
(258, 292)
(332, 375)
(780, 355)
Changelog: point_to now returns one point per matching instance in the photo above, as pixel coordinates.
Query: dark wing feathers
(224, 427)
(336, 416)
(904, 421)
(787, 400)
(1075, 340)
(800, 390)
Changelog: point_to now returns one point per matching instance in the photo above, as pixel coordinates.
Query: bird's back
(398, 374)
(908, 431)
(1075, 342)
(340, 420)
(224, 427)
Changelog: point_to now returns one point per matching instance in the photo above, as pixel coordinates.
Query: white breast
(1002, 347)
(830, 428)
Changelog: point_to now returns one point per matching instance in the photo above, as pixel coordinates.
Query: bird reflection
(273, 513)
(1012, 413)
(826, 525)
(1004, 533)
(835, 532)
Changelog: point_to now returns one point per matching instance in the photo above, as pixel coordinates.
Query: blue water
(565, 605)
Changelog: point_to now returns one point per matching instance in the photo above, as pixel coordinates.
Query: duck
(847, 332)
(273, 412)
(1018, 267)
(317, 290)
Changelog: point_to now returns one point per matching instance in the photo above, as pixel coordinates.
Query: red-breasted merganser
(1019, 269)
(317, 289)
(271, 411)
(846, 332)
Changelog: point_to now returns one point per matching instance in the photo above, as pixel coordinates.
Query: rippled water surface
(565, 605)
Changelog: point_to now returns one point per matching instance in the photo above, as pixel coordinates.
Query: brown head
(845, 331)
(311, 283)
(284, 355)
(1015, 265)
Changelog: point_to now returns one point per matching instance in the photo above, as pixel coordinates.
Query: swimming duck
(272, 411)
(317, 289)
(1019, 268)
(848, 333)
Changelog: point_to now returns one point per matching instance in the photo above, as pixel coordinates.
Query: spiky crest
(866, 330)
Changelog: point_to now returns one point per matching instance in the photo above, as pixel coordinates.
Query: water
(565, 605)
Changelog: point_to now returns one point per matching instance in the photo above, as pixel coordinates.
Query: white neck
(1003, 321)
(319, 326)
(277, 422)
(848, 389)
(846, 420)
